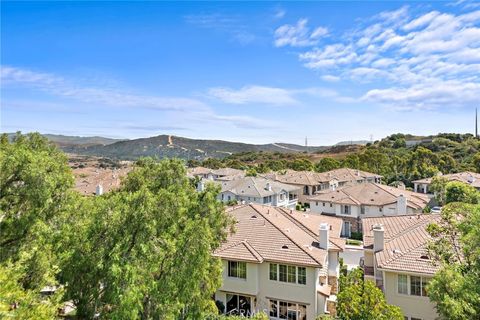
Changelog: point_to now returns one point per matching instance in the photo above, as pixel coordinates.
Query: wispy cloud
(279, 13)
(412, 61)
(233, 25)
(272, 95)
(59, 86)
(183, 108)
(253, 94)
(298, 35)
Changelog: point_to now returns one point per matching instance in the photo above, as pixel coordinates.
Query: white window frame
(423, 280)
(288, 267)
(237, 275)
(296, 309)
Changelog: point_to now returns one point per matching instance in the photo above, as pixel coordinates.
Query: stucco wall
(412, 306)
(247, 286)
(258, 284)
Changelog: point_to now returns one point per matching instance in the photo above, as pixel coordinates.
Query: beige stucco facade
(412, 306)
(261, 289)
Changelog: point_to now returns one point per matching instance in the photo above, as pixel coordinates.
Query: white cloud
(56, 86)
(395, 16)
(234, 25)
(421, 21)
(298, 35)
(274, 96)
(279, 13)
(452, 93)
(330, 78)
(61, 87)
(253, 94)
(428, 60)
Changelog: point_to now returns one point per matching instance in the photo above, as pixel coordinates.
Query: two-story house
(222, 174)
(396, 259)
(470, 178)
(346, 176)
(279, 261)
(259, 190)
(311, 182)
(353, 203)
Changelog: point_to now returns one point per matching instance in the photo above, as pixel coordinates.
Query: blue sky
(243, 71)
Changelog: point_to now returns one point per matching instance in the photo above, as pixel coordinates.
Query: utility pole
(476, 124)
(306, 144)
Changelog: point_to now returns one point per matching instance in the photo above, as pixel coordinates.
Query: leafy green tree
(35, 183)
(422, 163)
(362, 300)
(145, 249)
(476, 161)
(439, 187)
(461, 192)
(193, 163)
(455, 288)
(213, 163)
(251, 172)
(351, 161)
(374, 160)
(276, 165)
(399, 143)
(327, 164)
(17, 302)
(301, 165)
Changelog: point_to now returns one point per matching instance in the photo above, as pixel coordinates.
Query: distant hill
(356, 142)
(62, 140)
(165, 146)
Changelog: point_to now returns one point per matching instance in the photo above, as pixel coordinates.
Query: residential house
(283, 262)
(470, 178)
(311, 182)
(259, 190)
(353, 203)
(396, 259)
(222, 174)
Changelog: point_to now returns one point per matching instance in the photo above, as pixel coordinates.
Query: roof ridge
(352, 198)
(381, 186)
(304, 227)
(230, 246)
(255, 254)
(252, 250)
(290, 238)
(256, 187)
(301, 225)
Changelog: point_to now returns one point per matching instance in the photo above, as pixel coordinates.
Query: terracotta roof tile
(372, 194)
(272, 234)
(467, 177)
(406, 241)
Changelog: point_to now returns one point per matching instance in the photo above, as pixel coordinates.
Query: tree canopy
(455, 288)
(390, 157)
(140, 252)
(362, 300)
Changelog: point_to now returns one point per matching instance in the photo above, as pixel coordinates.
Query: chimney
(201, 186)
(99, 190)
(378, 237)
(401, 205)
(268, 187)
(323, 235)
